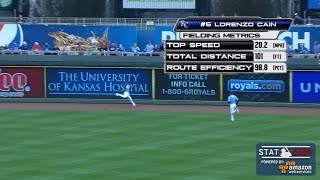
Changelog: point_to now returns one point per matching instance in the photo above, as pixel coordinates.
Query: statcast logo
(13, 85)
(286, 159)
(274, 86)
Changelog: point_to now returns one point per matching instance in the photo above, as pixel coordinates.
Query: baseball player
(126, 93)
(233, 102)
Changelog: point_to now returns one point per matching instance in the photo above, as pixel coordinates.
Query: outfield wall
(26, 78)
(125, 35)
(151, 84)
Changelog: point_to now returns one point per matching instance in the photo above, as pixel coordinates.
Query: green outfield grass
(142, 145)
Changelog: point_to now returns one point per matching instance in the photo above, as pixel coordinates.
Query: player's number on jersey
(261, 44)
(260, 67)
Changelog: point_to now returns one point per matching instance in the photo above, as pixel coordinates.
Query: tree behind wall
(262, 8)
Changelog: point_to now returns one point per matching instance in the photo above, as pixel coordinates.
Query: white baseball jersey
(232, 99)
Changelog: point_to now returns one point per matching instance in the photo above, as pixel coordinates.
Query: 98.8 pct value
(269, 67)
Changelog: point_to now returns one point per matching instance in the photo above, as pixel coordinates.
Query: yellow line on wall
(153, 84)
(45, 81)
(290, 87)
(221, 87)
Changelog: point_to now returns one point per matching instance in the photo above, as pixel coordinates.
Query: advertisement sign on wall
(18, 82)
(187, 86)
(306, 87)
(301, 35)
(257, 87)
(88, 36)
(97, 82)
(165, 33)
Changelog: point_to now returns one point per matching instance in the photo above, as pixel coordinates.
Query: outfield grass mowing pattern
(142, 145)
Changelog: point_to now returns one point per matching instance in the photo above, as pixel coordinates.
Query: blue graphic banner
(165, 33)
(97, 82)
(144, 36)
(295, 159)
(53, 34)
(156, 36)
(126, 35)
(313, 4)
(306, 87)
(301, 35)
(273, 86)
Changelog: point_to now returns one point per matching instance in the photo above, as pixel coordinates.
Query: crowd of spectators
(297, 20)
(316, 49)
(36, 48)
(112, 48)
(118, 49)
(302, 50)
(28, 20)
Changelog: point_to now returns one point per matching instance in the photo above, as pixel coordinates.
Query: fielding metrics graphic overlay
(227, 45)
(209, 56)
(227, 67)
(203, 24)
(286, 159)
(271, 45)
(223, 56)
(228, 35)
(208, 68)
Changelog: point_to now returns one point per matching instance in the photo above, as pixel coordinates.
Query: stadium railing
(142, 22)
(81, 53)
(106, 53)
(139, 22)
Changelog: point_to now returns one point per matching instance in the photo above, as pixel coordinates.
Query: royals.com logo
(274, 86)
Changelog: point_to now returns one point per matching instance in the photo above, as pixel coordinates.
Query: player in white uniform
(233, 102)
(126, 94)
